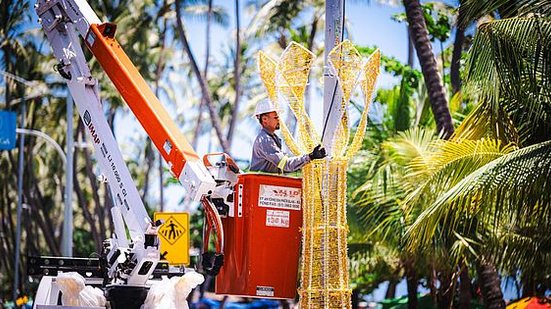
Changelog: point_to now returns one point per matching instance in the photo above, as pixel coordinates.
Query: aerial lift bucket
(262, 238)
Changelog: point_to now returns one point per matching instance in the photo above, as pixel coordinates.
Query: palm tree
(12, 18)
(205, 71)
(237, 74)
(455, 77)
(217, 124)
(471, 11)
(433, 80)
(512, 93)
(18, 61)
(378, 206)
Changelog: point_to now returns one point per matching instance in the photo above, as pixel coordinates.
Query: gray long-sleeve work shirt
(268, 157)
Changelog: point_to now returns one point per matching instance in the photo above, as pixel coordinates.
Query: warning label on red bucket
(279, 197)
(264, 290)
(277, 218)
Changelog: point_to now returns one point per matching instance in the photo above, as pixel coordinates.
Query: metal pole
(47, 138)
(334, 24)
(67, 246)
(22, 132)
(19, 204)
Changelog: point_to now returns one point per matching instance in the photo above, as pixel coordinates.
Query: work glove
(317, 153)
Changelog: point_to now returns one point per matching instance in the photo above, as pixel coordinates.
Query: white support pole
(334, 25)
(47, 138)
(67, 244)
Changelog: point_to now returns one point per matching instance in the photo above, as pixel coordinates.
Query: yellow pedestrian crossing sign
(174, 236)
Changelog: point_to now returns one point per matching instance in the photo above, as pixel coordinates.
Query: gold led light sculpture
(324, 262)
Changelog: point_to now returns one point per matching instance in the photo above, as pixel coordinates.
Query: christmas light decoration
(324, 264)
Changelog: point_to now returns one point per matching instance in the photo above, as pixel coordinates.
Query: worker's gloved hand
(317, 153)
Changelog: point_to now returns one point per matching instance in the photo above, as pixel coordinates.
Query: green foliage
(393, 66)
(500, 199)
(400, 100)
(371, 268)
(376, 204)
(438, 18)
(83, 241)
(508, 68)
(472, 10)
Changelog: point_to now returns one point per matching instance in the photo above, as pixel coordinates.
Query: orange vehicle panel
(158, 124)
(262, 246)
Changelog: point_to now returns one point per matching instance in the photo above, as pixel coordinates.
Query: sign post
(67, 241)
(19, 203)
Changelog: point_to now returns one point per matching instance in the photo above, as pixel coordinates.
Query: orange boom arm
(164, 133)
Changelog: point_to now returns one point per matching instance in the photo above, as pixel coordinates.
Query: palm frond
(510, 64)
(274, 15)
(200, 12)
(521, 246)
(409, 145)
(471, 10)
(515, 186)
(375, 203)
(475, 126)
(446, 167)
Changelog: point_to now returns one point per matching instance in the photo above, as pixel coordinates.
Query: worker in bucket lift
(267, 155)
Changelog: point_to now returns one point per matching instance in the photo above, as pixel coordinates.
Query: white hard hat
(264, 106)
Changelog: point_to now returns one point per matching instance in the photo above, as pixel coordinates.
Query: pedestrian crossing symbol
(172, 230)
(174, 236)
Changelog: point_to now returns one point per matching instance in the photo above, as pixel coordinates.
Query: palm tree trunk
(412, 283)
(433, 80)
(456, 57)
(489, 284)
(237, 76)
(411, 49)
(432, 285)
(149, 158)
(528, 284)
(464, 288)
(445, 293)
(197, 129)
(391, 289)
(355, 299)
(216, 123)
(5, 222)
(35, 199)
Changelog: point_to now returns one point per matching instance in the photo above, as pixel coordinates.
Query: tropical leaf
(521, 246)
(377, 206)
(272, 16)
(475, 126)
(200, 12)
(430, 175)
(472, 10)
(410, 145)
(377, 201)
(514, 188)
(510, 64)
